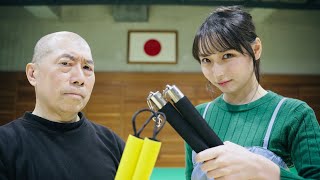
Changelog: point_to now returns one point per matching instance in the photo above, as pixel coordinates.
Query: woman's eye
(205, 60)
(227, 56)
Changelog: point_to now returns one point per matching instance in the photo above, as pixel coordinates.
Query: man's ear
(257, 48)
(31, 72)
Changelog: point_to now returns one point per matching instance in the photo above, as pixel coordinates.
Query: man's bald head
(62, 72)
(50, 42)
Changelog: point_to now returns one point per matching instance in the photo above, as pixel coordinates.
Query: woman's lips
(223, 83)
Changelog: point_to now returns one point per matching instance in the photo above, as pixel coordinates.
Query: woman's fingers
(213, 164)
(211, 153)
(219, 173)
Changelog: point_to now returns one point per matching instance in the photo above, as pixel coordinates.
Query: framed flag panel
(152, 47)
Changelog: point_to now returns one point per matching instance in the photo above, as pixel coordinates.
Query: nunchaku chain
(158, 117)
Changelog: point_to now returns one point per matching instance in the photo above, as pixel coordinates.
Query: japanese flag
(152, 47)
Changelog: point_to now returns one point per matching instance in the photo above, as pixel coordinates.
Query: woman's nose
(217, 70)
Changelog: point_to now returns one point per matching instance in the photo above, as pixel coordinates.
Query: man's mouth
(75, 95)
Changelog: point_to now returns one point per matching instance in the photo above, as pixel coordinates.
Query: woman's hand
(231, 161)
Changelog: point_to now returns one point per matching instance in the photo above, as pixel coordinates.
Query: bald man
(55, 140)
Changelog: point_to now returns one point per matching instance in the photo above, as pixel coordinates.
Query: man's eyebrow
(72, 58)
(90, 61)
(69, 56)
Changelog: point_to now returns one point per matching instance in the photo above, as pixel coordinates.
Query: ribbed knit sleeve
(287, 175)
(304, 143)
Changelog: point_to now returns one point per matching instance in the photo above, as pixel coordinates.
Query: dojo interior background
(289, 64)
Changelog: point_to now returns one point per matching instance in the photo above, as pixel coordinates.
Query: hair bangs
(212, 40)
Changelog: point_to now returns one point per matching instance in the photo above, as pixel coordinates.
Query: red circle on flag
(152, 47)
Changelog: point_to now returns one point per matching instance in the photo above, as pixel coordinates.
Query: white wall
(290, 37)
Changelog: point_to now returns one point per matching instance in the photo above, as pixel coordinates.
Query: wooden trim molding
(118, 95)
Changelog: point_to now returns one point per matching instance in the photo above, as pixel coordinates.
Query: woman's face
(230, 71)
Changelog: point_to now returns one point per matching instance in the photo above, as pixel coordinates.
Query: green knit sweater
(295, 136)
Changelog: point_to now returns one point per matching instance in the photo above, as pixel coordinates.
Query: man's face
(64, 77)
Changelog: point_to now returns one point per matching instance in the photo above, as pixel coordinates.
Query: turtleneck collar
(51, 125)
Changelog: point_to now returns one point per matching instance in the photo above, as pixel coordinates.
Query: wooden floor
(117, 96)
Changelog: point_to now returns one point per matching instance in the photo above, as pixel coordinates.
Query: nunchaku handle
(195, 119)
(183, 128)
(138, 159)
(147, 159)
(129, 158)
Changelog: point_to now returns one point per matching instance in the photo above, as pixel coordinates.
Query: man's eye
(205, 61)
(227, 56)
(87, 68)
(64, 63)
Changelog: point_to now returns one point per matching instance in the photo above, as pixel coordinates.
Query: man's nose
(77, 76)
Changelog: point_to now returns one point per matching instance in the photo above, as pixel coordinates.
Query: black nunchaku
(184, 118)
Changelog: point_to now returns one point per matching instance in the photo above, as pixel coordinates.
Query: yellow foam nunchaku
(147, 159)
(129, 158)
(140, 155)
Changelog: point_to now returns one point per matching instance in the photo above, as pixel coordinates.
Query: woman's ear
(31, 73)
(257, 48)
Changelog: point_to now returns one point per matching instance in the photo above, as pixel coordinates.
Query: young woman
(264, 132)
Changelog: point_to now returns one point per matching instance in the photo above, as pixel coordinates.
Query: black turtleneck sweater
(33, 148)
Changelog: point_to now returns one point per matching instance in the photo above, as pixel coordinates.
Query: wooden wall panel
(7, 96)
(25, 98)
(117, 96)
(311, 95)
(104, 105)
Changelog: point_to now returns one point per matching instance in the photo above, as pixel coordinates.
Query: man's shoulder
(12, 126)
(107, 135)
(11, 131)
(98, 127)
(102, 130)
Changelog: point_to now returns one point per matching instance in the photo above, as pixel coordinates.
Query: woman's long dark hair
(226, 28)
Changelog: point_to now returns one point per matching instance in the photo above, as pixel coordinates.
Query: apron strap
(274, 115)
(205, 110)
